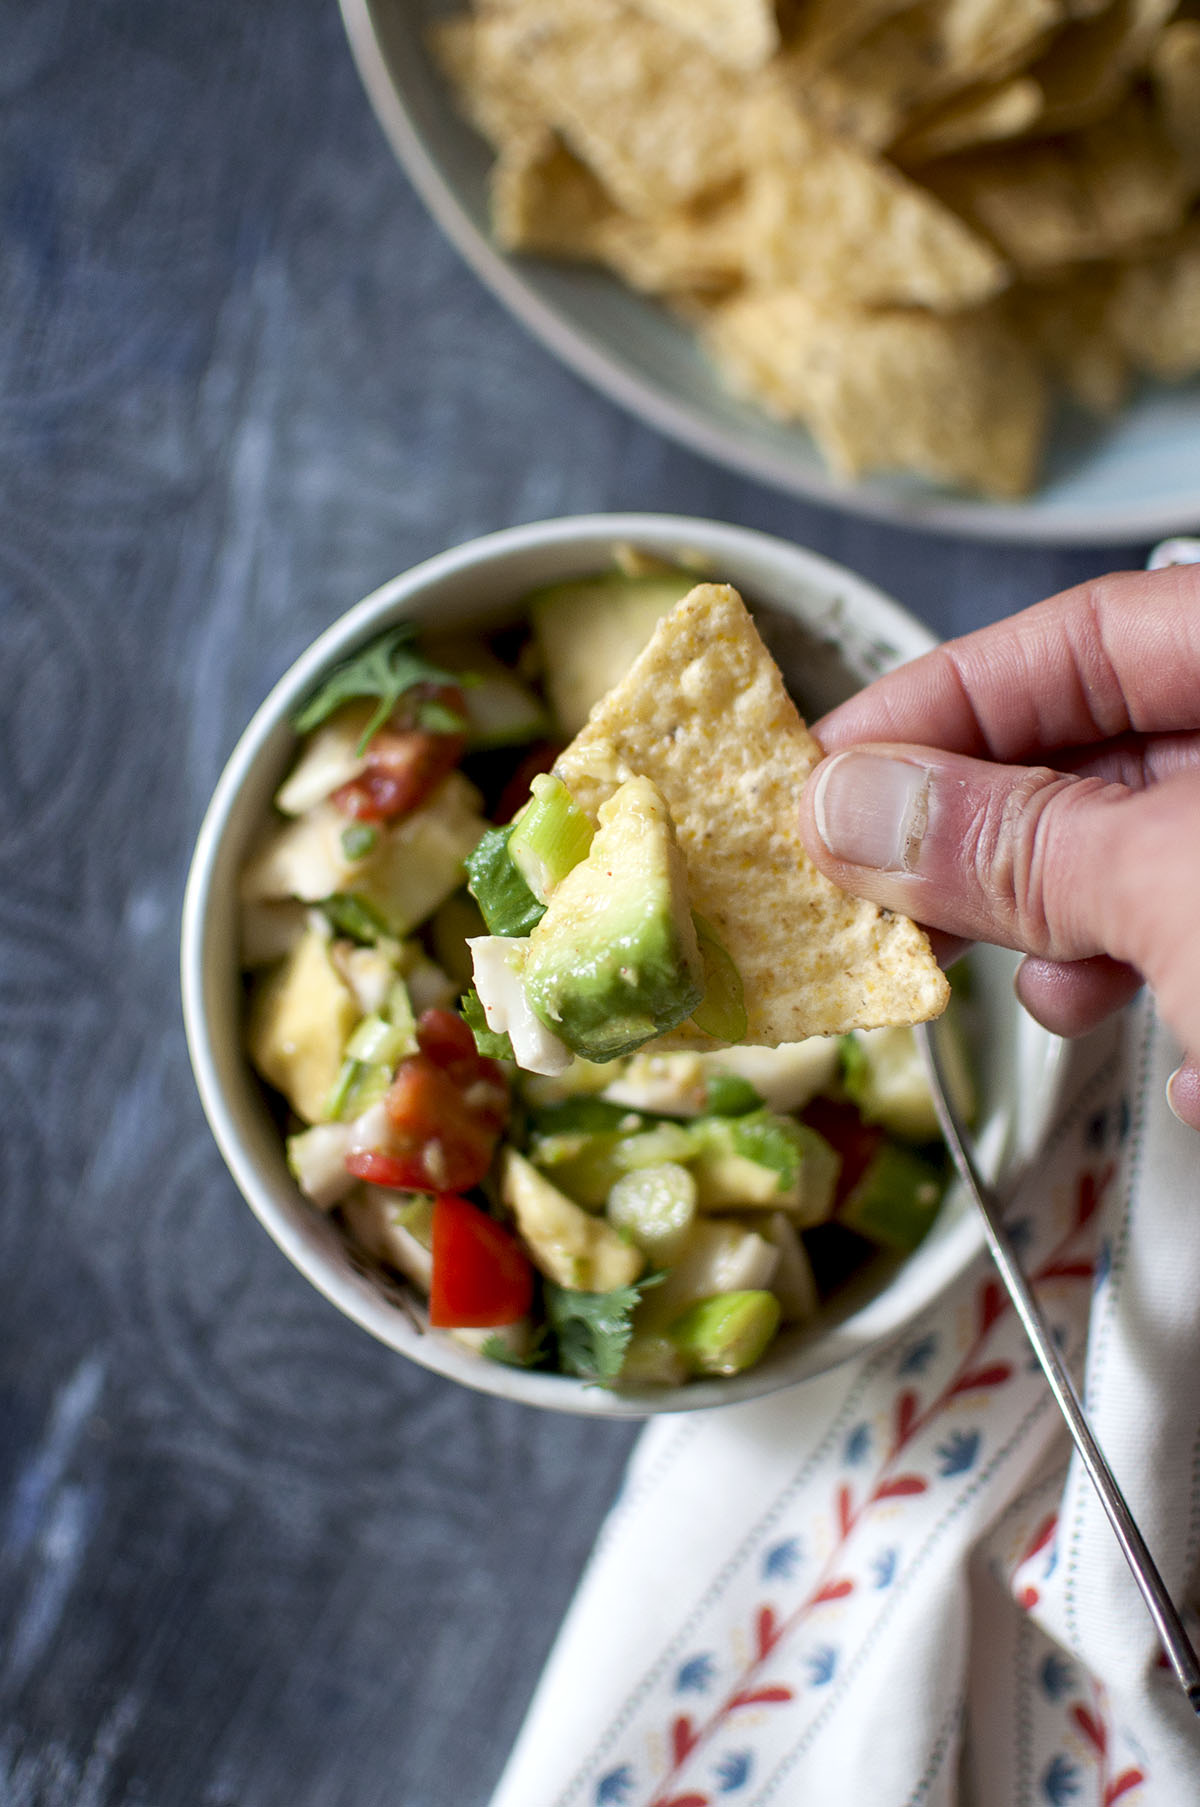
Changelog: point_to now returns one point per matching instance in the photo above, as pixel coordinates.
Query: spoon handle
(1161, 1607)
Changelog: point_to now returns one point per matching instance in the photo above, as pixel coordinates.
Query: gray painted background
(247, 1558)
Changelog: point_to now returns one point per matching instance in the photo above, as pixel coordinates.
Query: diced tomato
(405, 763)
(481, 1274)
(857, 1142)
(446, 1107)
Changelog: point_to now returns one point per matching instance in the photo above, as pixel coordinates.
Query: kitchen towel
(893, 1585)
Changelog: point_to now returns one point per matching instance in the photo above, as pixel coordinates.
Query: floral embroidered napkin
(892, 1586)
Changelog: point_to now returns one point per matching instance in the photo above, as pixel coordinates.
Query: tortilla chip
(923, 56)
(985, 115)
(1156, 309)
(655, 117)
(1089, 67)
(1070, 323)
(823, 30)
(1102, 193)
(956, 397)
(826, 215)
(742, 33)
(704, 714)
(1175, 70)
(488, 91)
(545, 201)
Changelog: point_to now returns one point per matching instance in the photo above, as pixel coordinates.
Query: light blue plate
(1133, 479)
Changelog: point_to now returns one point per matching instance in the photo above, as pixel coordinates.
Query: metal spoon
(1162, 1609)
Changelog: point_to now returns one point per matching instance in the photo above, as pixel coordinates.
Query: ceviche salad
(535, 990)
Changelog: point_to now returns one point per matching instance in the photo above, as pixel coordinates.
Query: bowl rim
(305, 1236)
(602, 367)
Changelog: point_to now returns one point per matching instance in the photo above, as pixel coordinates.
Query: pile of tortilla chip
(901, 224)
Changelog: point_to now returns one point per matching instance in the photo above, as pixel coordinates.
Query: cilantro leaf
(492, 1043)
(355, 917)
(773, 1141)
(497, 1350)
(386, 669)
(592, 1330)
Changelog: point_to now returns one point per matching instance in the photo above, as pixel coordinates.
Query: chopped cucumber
(317, 1159)
(896, 1200)
(500, 710)
(509, 907)
(884, 1075)
(588, 1166)
(549, 837)
(728, 1333)
(655, 1206)
(652, 1360)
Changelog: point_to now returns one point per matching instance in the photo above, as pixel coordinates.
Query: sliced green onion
(551, 835)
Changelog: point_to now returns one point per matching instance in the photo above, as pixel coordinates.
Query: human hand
(1037, 784)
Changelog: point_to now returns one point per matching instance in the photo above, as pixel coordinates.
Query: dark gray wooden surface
(247, 1558)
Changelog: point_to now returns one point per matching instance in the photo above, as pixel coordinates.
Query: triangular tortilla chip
(703, 712)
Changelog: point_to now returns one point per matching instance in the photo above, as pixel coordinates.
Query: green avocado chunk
(615, 960)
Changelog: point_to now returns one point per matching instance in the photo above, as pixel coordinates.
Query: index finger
(1118, 655)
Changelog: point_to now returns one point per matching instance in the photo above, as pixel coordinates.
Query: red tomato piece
(445, 1039)
(405, 762)
(481, 1274)
(857, 1142)
(403, 1173)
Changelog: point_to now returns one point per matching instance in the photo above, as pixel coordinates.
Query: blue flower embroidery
(614, 1788)
(918, 1357)
(695, 1675)
(821, 1665)
(733, 1771)
(1061, 1781)
(779, 1562)
(957, 1453)
(858, 1445)
(1096, 1133)
(883, 1569)
(1057, 1676)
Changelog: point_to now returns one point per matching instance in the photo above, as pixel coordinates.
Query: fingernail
(872, 811)
(1174, 1097)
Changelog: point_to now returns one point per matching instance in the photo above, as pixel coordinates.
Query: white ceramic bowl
(1134, 478)
(831, 633)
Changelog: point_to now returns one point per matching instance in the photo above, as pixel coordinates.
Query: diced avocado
(416, 863)
(652, 1360)
(550, 836)
(565, 1243)
(654, 1206)
(499, 887)
(615, 960)
(896, 1200)
(590, 631)
(300, 1017)
(726, 1334)
(764, 1161)
(884, 1075)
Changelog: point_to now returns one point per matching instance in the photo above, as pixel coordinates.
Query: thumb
(1059, 866)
